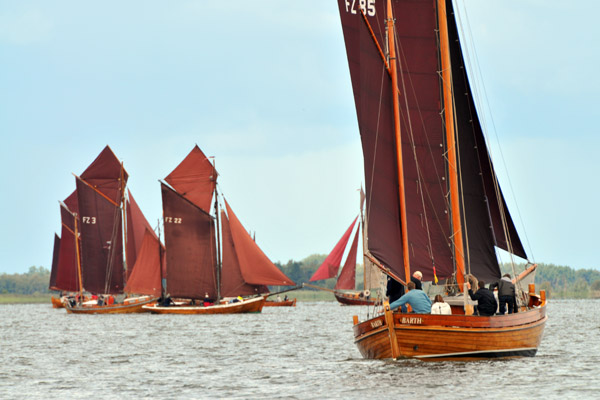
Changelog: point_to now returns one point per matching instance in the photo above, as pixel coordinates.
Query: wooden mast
(400, 165)
(451, 143)
(124, 222)
(78, 256)
(218, 266)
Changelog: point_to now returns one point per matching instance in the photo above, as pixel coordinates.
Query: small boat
(433, 200)
(205, 264)
(281, 303)
(95, 231)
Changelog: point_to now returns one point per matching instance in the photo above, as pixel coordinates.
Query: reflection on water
(304, 352)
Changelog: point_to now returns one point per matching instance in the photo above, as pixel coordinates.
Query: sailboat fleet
(432, 203)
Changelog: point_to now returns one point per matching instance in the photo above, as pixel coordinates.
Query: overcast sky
(264, 87)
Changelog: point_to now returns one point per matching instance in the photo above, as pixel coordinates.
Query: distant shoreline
(11, 298)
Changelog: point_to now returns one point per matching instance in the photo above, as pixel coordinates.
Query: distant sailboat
(345, 288)
(99, 227)
(433, 199)
(195, 273)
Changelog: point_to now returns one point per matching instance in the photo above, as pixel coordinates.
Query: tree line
(558, 281)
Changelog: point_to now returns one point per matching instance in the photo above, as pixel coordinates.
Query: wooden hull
(129, 307)
(452, 337)
(57, 302)
(283, 303)
(254, 305)
(352, 299)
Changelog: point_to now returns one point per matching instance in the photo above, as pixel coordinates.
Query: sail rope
(112, 249)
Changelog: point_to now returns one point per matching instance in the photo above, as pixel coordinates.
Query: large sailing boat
(344, 289)
(196, 275)
(97, 236)
(433, 200)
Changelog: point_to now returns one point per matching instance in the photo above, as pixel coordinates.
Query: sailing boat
(344, 290)
(98, 237)
(433, 200)
(195, 271)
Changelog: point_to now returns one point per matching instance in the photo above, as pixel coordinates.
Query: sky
(264, 88)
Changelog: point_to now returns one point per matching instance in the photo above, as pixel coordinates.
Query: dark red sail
(145, 277)
(106, 174)
(232, 281)
(54, 270)
(421, 127)
(329, 268)
(101, 241)
(137, 225)
(347, 278)
(67, 276)
(195, 179)
(255, 266)
(190, 246)
(483, 201)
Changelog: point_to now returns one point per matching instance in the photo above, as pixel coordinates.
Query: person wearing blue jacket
(418, 300)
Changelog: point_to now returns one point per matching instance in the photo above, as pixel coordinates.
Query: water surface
(306, 352)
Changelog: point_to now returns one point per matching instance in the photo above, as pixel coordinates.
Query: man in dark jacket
(416, 279)
(395, 289)
(486, 302)
(506, 294)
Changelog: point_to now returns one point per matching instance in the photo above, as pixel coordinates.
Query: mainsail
(190, 246)
(422, 146)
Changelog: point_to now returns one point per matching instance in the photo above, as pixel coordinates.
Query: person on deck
(439, 306)
(416, 279)
(417, 299)
(486, 302)
(394, 289)
(506, 294)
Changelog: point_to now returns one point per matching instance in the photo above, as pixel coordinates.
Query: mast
(451, 143)
(397, 132)
(77, 255)
(124, 218)
(218, 266)
(218, 237)
(160, 261)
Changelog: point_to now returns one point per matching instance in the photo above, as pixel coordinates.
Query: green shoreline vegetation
(560, 282)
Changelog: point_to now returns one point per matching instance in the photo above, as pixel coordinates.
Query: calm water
(305, 352)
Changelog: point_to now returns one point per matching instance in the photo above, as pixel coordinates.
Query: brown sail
(423, 143)
(255, 266)
(347, 278)
(106, 175)
(145, 277)
(101, 241)
(195, 179)
(137, 226)
(232, 281)
(330, 266)
(66, 276)
(190, 246)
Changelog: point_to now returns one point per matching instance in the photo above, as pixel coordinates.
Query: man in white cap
(416, 278)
